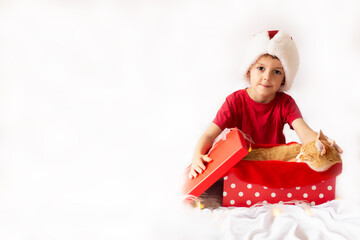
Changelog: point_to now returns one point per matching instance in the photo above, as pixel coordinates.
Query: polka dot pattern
(243, 194)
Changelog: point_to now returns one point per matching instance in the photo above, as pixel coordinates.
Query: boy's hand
(198, 166)
(332, 143)
(306, 134)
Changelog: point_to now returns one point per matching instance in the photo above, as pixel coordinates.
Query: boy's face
(266, 77)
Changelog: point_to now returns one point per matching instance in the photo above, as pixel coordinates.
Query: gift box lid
(225, 154)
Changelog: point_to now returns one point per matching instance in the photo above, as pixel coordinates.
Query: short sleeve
(291, 111)
(224, 116)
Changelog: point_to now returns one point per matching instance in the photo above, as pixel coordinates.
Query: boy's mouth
(265, 86)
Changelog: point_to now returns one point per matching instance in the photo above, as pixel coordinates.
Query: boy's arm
(306, 134)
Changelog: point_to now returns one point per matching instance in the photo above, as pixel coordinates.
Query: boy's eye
(260, 68)
(277, 72)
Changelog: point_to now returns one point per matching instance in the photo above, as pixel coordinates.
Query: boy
(261, 110)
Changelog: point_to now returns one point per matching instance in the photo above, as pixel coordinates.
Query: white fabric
(337, 219)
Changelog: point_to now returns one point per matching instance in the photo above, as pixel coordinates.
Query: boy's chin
(266, 91)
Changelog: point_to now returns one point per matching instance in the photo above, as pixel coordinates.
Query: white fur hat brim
(275, 43)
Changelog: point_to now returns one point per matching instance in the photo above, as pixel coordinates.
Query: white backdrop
(102, 103)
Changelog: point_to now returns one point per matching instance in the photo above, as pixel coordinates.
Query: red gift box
(252, 182)
(249, 182)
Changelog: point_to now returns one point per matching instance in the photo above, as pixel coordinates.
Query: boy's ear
(248, 73)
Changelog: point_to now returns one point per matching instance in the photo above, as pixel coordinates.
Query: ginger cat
(318, 154)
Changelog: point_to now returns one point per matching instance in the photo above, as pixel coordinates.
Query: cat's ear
(320, 147)
(321, 136)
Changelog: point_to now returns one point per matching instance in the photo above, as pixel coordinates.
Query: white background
(102, 103)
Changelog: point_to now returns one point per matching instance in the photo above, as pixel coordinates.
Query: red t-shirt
(263, 122)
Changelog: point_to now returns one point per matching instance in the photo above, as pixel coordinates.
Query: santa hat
(276, 43)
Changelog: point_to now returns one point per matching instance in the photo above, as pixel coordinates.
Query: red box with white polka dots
(238, 193)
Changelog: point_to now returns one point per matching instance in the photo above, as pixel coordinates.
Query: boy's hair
(277, 44)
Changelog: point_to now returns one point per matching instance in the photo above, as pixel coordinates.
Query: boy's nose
(266, 76)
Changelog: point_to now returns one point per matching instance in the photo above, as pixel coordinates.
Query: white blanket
(337, 219)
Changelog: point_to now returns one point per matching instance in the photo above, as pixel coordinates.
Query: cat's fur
(318, 154)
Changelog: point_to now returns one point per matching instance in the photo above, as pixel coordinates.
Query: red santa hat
(276, 43)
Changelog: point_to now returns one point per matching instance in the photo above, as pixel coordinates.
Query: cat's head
(319, 154)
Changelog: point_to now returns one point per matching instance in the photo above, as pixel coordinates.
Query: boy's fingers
(206, 158)
(339, 149)
(332, 143)
(198, 169)
(201, 165)
(192, 174)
